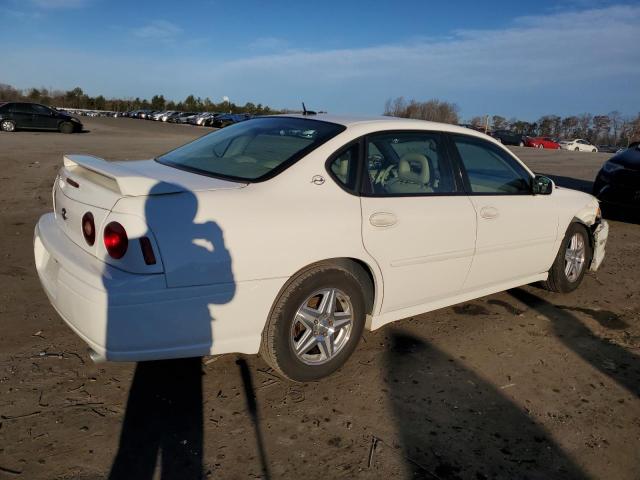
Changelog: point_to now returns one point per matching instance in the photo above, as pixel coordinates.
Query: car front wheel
(66, 127)
(572, 261)
(316, 322)
(7, 126)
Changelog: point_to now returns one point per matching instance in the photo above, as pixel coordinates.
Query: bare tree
(433, 110)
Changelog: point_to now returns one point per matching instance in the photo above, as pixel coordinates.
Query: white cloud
(158, 29)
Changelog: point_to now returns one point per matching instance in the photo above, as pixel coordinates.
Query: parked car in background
(203, 117)
(608, 148)
(508, 137)
(208, 121)
(541, 142)
(578, 145)
(181, 117)
(618, 181)
(157, 259)
(17, 115)
(227, 119)
(167, 114)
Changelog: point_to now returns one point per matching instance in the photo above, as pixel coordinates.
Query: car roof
(385, 123)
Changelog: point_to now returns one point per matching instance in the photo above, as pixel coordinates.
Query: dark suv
(508, 137)
(14, 115)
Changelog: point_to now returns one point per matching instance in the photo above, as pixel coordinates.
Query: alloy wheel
(322, 326)
(574, 257)
(7, 126)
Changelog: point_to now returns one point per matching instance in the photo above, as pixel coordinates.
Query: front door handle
(489, 212)
(383, 219)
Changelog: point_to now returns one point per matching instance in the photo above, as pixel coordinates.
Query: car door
(516, 230)
(417, 222)
(43, 117)
(23, 115)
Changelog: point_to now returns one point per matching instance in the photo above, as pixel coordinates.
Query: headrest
(414, 168)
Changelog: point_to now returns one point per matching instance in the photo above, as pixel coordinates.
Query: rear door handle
(489, 212)
(383, 219)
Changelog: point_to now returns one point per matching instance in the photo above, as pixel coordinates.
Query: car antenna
(305, 111)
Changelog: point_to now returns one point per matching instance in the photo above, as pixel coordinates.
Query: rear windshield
(252, 150)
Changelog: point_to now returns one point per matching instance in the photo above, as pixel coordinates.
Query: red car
(541, 142)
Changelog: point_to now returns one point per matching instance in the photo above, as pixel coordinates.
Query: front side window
(41, 109)
(408, 163)
(489, 169)
(252, 150)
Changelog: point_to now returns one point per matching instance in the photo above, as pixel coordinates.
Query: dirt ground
(522, 384)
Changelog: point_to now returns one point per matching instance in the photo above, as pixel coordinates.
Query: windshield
(254, 149)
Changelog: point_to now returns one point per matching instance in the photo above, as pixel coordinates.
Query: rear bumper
(132, 317)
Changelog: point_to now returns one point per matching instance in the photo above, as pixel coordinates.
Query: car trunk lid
(87, 184)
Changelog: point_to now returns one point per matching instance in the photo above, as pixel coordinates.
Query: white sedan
(289, 235)
(578, 145)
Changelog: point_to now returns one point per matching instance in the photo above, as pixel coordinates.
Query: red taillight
(115, 240)
(88, 228)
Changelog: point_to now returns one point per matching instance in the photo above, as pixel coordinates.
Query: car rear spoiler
(127, 181)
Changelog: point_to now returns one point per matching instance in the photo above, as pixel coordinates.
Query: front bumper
(600, 235)
(133, 317)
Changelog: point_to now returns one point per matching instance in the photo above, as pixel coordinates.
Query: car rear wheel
(572, 260)
(8, 126)
(593, 150)
(66, 127)
(316, 322)
(577, 149)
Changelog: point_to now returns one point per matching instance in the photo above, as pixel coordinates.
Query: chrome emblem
(317, 180)
(63, 212)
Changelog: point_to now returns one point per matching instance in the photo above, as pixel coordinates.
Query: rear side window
(23, 108)
(489, 169)
(408, 163)
(252, 150)
(344, 166)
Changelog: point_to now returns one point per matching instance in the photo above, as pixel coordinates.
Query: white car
(578, 145)
(256, 238)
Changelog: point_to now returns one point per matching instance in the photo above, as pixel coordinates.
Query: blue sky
(511, 58)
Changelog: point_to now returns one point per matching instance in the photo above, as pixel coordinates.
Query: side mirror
(541, 185)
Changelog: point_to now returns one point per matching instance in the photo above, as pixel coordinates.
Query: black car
(618, 181)
(607, 148)
(16, 115)
(508, 137)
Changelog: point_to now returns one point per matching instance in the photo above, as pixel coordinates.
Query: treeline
(611, 129)
(433, 110)
(77, 98)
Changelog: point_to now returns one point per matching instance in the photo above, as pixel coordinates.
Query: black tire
(277, 349)
(558, 280)
(577, 149)
(66, 127)
(8, 126)
(594, 150)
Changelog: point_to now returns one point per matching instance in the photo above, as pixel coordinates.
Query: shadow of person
(453, 424)
(163, 419)
(610, 359)
(163, 422)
